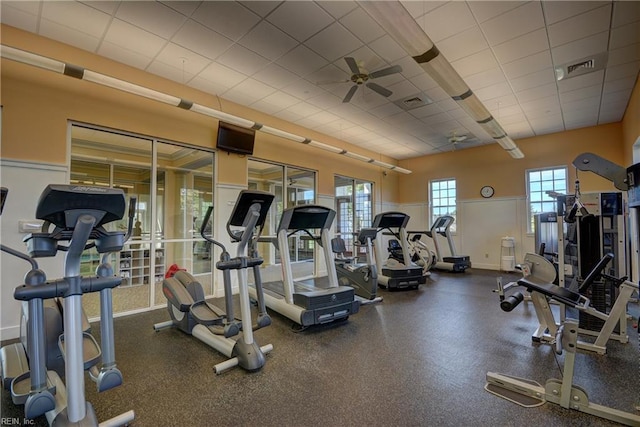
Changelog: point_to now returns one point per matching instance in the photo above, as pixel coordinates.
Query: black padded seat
(559, 294)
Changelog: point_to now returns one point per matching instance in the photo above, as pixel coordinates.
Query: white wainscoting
(25, 182)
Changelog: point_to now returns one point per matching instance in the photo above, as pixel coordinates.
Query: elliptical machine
(79, 214)
(362, 277)
(192, 314)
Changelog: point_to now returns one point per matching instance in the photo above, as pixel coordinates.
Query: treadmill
(396, 275)
(307, 303)
(454, 262)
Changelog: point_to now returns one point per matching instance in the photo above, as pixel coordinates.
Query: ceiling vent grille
(413, 101)
(582, 66)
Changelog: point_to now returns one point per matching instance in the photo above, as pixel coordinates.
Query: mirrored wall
(173, 184)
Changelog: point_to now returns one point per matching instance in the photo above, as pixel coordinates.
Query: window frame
(450, 209)
(543, 190)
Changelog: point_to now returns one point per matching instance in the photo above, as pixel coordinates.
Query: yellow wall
(491, 165)
(37, 105)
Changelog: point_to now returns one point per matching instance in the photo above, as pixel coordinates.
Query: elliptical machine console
(78, 214)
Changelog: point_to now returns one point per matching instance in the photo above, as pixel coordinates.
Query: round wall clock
(487, 191)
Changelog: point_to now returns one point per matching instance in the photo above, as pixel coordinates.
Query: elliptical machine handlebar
(203, 227)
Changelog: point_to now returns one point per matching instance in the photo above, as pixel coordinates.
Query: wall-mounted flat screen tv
(235, 139)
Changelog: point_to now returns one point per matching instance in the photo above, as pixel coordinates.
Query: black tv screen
(235, 139)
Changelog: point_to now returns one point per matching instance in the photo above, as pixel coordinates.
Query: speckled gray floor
(417, 359)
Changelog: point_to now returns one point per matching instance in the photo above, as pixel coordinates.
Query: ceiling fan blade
(385, 72)
(381, 90)
(353, 66)
(350, 94)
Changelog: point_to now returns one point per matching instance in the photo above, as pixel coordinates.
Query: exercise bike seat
(555, 292)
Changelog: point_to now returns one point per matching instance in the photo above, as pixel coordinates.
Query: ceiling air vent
(582, 66)
(413, 101)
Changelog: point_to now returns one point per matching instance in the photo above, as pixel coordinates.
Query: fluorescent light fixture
(516, 153)
(401, 170)
(474, 108)
(447, 78)
(39, 61)
(494, 129)
(282, 134)
(400, 25)
(357, 156)
(222, 116)
(506, 143)
(32, 59)
(92, 76)
(325, 147)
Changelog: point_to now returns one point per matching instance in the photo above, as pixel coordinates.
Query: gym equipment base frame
(563, 392)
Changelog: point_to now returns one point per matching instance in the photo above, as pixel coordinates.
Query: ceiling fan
(360, 76)
(455, 139)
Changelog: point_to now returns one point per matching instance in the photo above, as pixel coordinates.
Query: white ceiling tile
(545, 126)
(243, 60)
(182, 59)
(265, 107)
(625, 35)
(537, 93)
(302, 61)
(410, 67)
(624, 55)
(215, 72)
(546, 105)
(419, 8)
(449, 105)
(239, 97)
(457, 113)
(436, 94)
(338, 9)
(580, 48)
(261, 7)
(200, 39)
(281, 100)
(493, 91)
(133, 38)
(323, 117)
(268, 41)
(574, 108)
(151, 16)
(580, 26)
(289, 115)
(616, 98)
(427, 110)
(514, 23)
(387, 48)
(582, 81)
(528, 65)
(621, 71)
(124, 55)
(463, 44)
(68, 35)
(522, 47)
(476, 63)
(625, 12)
(620, 84)
(304, 109)
(226, 17)
(106, 6)
(77, 16)
(423, 81)
(385, 110)
(333, 42)
(325, 100)
(517, 129)
(254, 88)
(302, 89)
(367, 99)
(208, 86)
(168, 71)
(400, 90)
(362, 26)
(276, 76)
(184, 7)
(437, 118)
(447, 20)
(555, 11)
(300, 19)
(18, 17)
(532, 80)
(484, 10)
(485, 78)
(581, 93)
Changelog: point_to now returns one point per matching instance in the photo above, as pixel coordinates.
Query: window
(539, 182)
(353, 207)
(443, 199)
